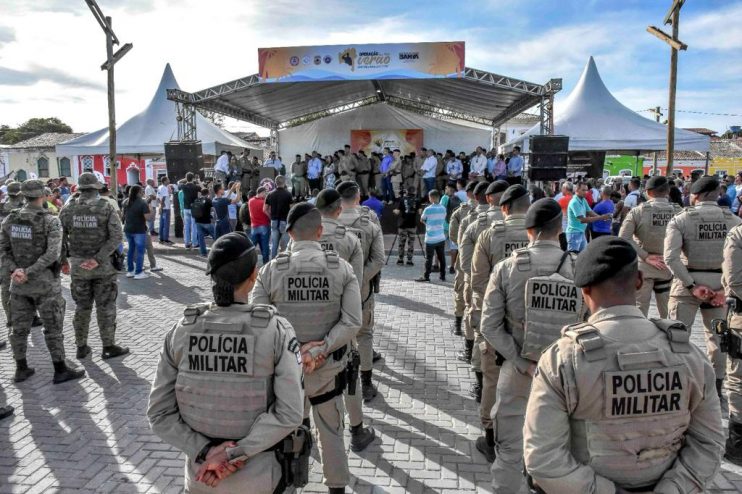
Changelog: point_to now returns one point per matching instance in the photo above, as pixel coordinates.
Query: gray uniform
(596, 422)
(13, 202)
(363, 173)
(299, 184)
(364, 224)
(732, 281)
(318, 293)
(645, 227)
(229, 373)
(502, 325)
(453, 234)
(31, 239)
(92, 230)
(693, 251)
(466, 287)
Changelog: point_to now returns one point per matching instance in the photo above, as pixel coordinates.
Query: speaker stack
(183, 157)
(549, 157)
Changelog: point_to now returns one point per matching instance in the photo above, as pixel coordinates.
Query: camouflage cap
(88, 180)
(14, 188)
(32, 188)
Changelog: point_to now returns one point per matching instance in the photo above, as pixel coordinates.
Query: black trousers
(439, 251)
(314, 183)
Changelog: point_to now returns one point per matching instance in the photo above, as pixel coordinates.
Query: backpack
(453, 204)
(198, 207)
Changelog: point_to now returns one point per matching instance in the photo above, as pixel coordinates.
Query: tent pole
(707, 163)
(542, 128)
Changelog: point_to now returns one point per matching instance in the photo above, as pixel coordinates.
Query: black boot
(83, 351)
(719, 385)
(36, 322)
(476, 390)
(376, 357)
(360, 437)
(23, 371)
(3, 344)
(465, 355)
(368, 390)
(336, 490)
(733, 450)
(113, 351)
(6, 412)
(486, 445)
(62, 373)
(457, 326)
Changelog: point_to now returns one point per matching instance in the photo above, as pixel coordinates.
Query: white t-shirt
(233, 207)
(222, 164)
(163, 193)
(632, 199)
(150, 191)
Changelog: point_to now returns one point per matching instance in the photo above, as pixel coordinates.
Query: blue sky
(51, 50)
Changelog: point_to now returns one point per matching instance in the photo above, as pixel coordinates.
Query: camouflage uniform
(15, 201)
(92, 230)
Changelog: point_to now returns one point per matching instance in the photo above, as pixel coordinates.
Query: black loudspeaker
(547, 173)
(590, 163)
(549, 144)
(183, 157)
(549, 157)
(552, 160)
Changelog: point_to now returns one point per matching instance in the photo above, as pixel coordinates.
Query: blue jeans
(576, 241)
(137, 246)
(191, 232)
(164, 225)
(387, 190)
(222, 227)
(203, 230)
(260, 236)
(278, 230)
(429, 184)
(151, 220)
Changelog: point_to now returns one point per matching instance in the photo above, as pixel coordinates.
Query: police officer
(621, 403)
(30, 245)
(645, 226)
(363, 171)
(337, 238)
(15, 201)
(229, 382)
(299, 178)
(494, 244)
(91, 234)
(364, 224)
(732, 282)
(529, 298)
(493, 193)
(465, 209)
(694, 244)
(318, 293)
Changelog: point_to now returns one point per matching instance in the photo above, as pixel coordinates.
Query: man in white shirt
(164, 201)
(314, 172)
(150, 197)
(478, 165)
(515, 167)
(221, 167)
(429, 166)
(273, 162)
(454, 168)
(632, 198)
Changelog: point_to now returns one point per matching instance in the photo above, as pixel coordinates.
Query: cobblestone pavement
(92, 435)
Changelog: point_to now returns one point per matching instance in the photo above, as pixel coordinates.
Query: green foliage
(32, 128)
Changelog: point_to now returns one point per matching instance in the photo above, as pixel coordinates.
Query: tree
(32, 128)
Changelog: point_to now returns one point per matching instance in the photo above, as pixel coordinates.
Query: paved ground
(92, 436)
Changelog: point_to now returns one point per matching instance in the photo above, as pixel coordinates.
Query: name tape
(661, 218)
(24, 232)
(220, 353)
(645, 392)
(84, 221)
(712, 231)
(307, 288)
(554, 296)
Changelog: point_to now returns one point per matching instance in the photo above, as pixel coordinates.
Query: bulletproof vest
(636, 410)
(225, 373)
(552, 302)
(333, 238)
(486, 219)
(654, 219)
(86, 223)
(308, 291)
(507, 238)
(469, 216)
(360, 226)
(9, 206)
(703, 239)
(27, 232)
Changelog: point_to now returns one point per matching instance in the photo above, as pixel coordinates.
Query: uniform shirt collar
(623, 323)
(659, 199)
(545, 243)
(615, 312)
(707, 203)
(305, 245)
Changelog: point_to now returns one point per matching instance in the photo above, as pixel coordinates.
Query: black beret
(497, 186)
(512, 193)
(470, 186)
(704, 184)
(296, 212)
(542, 211)
(347, 189)
(601, 260)
(327, 197)
(655, 183)
(481, 188)
(227, 249)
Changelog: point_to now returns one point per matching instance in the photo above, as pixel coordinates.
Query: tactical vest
(86, 224)
(332, 240)
(225, 373)
(705, 231)
(9, 206)
(307, 292)
(552, 302)
(361, 228)
(506, 239)
(654, 219)
(644, 411)
(27, 231)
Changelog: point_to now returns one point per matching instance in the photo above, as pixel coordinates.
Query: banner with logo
(374, 141)
(361, 62)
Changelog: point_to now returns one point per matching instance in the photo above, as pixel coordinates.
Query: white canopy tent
(327, 135)
(147, 132)
(596, 121)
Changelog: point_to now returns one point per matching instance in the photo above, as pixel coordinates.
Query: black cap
(347, 189)
(601, 260)
(296, 212)
(496, 187)
(512, 193)
(481, 188)
(326, 198)
(655, 183)
(704, 185)
(229, 259)
(470, 186)
(542, 211)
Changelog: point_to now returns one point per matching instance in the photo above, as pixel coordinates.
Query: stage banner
(361, 62)
(374, 141)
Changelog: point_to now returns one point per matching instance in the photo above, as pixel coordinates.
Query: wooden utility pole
(657, 115)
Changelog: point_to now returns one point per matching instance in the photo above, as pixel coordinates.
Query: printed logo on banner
(328, 59)
(406, 56)
(305, 60)
(348, 57)
(317, 60)
(294, 61)
(373, 60)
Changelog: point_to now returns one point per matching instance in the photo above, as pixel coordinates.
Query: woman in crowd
(328, 172)
(136, 214)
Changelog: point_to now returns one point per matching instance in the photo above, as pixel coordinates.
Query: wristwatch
(690, 287)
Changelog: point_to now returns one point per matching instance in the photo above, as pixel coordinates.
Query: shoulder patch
(192, 312)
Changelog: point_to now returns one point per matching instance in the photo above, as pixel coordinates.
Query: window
(87, 163)
(43, 167)
(64, 167)
(21, 175)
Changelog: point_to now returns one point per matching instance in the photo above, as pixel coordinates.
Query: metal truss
(225, 89)
(370, 100)
(186, 118)
(503, 82)
(435, 111)
(220, 107)
(525, 102)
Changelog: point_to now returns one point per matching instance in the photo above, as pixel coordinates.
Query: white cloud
(716, 30)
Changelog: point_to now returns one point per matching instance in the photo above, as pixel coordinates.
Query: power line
(696, 112)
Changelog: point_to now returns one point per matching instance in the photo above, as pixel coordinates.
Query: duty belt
(362, 173)
(693, 270)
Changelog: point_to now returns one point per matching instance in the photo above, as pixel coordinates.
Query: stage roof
(479, 97)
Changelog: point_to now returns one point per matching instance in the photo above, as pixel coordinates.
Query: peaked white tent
(147, 132)
(596, 121)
